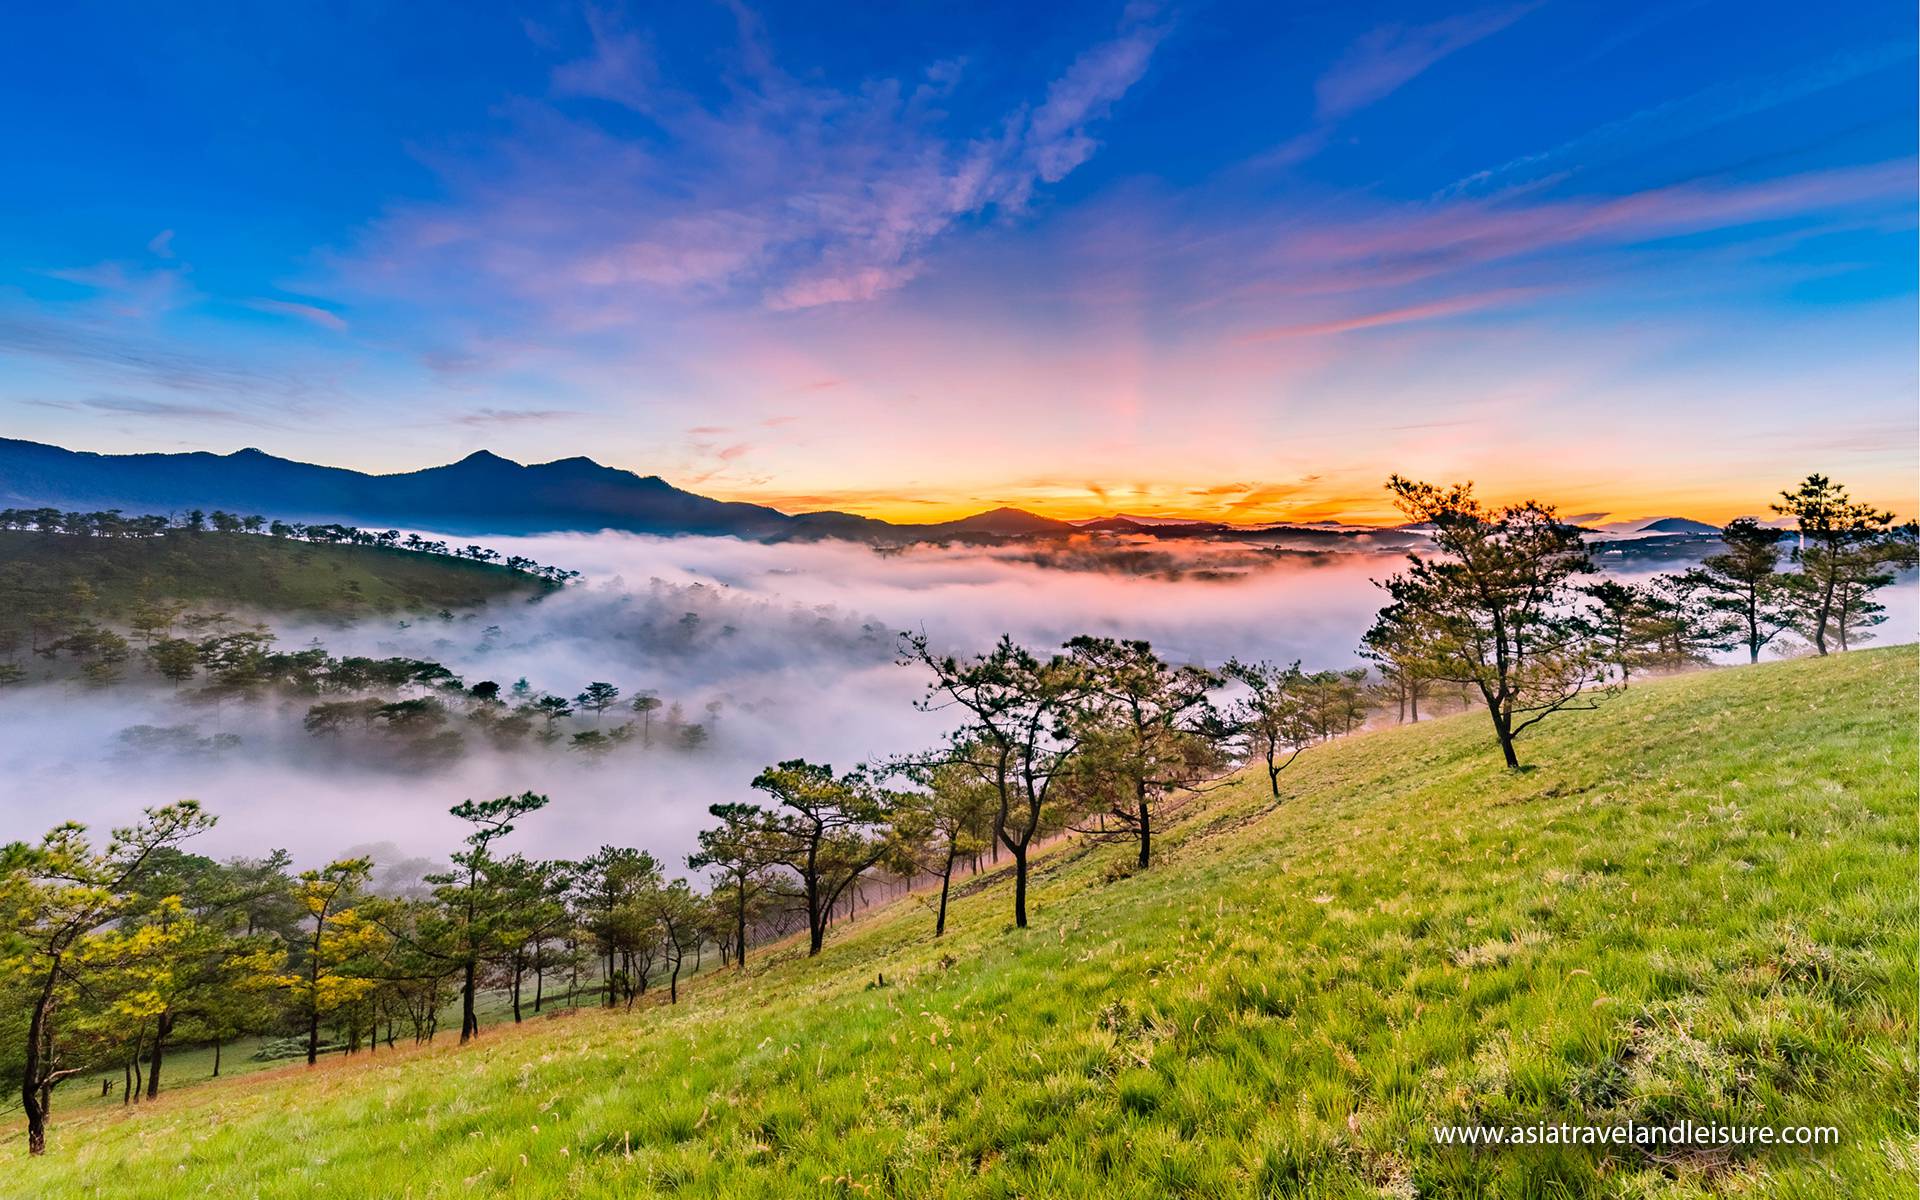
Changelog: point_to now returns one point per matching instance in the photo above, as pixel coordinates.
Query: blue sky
(1234, 259)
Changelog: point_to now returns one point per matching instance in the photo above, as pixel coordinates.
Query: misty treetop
(405, 712)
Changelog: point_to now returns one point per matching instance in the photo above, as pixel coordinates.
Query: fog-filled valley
(766, 652)
(774, 651)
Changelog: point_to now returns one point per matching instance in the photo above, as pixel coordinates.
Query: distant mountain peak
(1643, 525)
(1678, 525)
(485, 458)
(1004, 520)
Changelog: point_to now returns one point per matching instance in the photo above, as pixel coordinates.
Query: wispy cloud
(1388, 265)
(1429, 240)
(1386, 58)
(1403, 315)
(1684, 117)
(312, 314)
(786, 192)
(1381, 62)
(159, 410)
(139, 291)
(487, 418)
(110, 349)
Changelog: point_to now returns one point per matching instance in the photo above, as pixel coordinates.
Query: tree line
(111, 954)
(1506, 609)
(112, 523)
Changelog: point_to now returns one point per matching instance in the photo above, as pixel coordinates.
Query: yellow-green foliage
(1699, 902)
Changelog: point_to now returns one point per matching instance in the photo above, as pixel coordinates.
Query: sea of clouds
(784, 651)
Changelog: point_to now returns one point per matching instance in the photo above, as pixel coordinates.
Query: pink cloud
(1406, 314)
(313, 314)
(797, 193)
(1421, 243)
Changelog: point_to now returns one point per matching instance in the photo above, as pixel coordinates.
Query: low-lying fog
(783, 651)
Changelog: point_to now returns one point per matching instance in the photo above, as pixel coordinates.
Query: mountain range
(485, 493)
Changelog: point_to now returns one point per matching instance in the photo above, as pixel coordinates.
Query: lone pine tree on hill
(1499, 605)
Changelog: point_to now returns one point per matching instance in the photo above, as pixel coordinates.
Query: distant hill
(1110, 525)
(245, 571)
(1679, 525)
(1651, 525)
(999, 522)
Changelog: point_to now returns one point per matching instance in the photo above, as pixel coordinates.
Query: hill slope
(1699, 903)
(265, 574)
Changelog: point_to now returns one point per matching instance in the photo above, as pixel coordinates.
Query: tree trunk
(946, 882)
(1825, 613)
(1146, 829)
(313, 993)
(163, 1025)
(1020, 887)
(30, 1070)
(469, 1023)
(740, 929)
(816, 918)
(216, 1058)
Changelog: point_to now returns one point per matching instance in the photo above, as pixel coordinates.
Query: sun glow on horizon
(1228, 504)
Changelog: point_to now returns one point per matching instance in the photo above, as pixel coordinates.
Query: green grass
(1698, 903)
(246, 571)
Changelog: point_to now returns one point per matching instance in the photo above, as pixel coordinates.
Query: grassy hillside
(38, 570)
(1699, 902)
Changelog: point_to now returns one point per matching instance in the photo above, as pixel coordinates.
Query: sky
(1226, 260)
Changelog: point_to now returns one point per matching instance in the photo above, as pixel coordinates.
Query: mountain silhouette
(482, 493)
